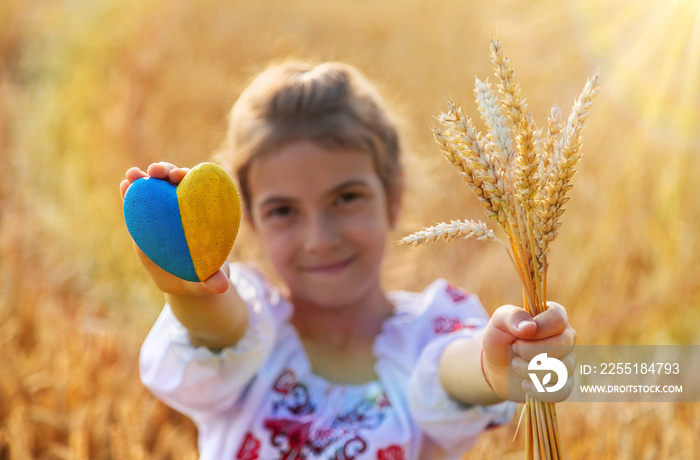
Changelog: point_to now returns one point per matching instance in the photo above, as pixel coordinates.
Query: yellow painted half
(210, 209)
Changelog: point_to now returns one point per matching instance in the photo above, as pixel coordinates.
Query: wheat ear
(507, 86)
(444, 231)
(486, 174)
(498, 135)
(557, 181)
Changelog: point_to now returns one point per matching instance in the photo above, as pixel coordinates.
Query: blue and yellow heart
(188, 230)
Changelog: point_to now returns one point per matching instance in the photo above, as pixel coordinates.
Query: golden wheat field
(90, 88)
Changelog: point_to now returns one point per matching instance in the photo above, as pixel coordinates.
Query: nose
(320, 233)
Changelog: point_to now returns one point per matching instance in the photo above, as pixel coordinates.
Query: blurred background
(91, 88)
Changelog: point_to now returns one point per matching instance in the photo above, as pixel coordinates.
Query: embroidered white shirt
(260, 400)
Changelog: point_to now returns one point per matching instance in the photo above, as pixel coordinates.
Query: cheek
(370, 232)
(277, 246)
(374, 221)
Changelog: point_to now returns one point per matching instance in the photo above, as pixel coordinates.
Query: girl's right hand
(218, 283)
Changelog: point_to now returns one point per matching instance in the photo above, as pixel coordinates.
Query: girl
(327, 365)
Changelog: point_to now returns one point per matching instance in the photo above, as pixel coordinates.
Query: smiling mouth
(329, 268)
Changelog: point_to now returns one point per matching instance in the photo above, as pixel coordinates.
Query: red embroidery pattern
(292, 424)
(446, 324)
(250, 448)
(285, 382)
(296, 433)
(455, 293)
(391, 453)
(351, 449)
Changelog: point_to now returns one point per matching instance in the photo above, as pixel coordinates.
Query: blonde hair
(331, 104)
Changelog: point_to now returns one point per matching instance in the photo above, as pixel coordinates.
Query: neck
(342, 327)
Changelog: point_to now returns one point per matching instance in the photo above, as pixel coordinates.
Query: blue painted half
(152, 217)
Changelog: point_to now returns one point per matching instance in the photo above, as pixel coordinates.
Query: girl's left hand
(548, 332)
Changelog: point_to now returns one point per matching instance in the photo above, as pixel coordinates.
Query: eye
(347, 198)
(280, 212)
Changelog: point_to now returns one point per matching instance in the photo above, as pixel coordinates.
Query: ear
(395, 199)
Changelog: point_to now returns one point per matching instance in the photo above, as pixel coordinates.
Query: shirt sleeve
(193, 379)
(454, 426)
(447, 313)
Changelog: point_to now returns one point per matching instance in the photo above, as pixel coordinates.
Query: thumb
(217, 283)
(508, 324)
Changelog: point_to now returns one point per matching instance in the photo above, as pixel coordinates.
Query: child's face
(322, 217)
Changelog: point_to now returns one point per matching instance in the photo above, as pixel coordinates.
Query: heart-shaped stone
(186, 230)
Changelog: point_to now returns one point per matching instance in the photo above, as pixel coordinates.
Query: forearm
(461, 373)
(215, 320)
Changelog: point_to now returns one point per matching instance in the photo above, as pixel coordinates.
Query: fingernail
(522, 324)
(528, 387)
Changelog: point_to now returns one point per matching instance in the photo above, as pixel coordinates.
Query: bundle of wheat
(521, 176)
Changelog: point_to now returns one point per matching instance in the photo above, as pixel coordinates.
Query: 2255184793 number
(640, 368)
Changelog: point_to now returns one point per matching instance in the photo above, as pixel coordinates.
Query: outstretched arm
(212, 311)
(475, 371)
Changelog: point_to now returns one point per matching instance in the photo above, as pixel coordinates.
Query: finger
(177, 174)
(218, 283)
(551, 322)
(556, 347)
(123, 186)
(509, 323)
(160, 170)
(134, 174)
(501, 330)
(570, 362)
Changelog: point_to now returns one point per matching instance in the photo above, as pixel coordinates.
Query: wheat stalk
(521, 176)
